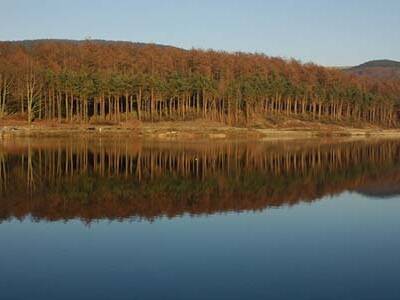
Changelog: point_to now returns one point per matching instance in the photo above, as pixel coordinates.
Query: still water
(108, 218)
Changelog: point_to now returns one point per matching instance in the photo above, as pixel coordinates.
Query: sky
(331, 33)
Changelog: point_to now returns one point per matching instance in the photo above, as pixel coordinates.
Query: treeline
(88, 81)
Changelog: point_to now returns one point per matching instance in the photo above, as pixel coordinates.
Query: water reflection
(93, 178)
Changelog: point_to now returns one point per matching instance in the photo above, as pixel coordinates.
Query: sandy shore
(195, 130)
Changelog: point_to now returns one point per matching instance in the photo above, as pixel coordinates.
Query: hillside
(382, 69)
(112, 82)
(39, 42)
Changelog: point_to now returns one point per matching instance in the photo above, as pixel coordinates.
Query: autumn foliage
(83, 81)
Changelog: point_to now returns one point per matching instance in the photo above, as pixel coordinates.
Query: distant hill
(29, 43)
(387, 188)
(383, 69)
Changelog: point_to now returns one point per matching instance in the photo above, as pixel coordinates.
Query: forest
(94, 81)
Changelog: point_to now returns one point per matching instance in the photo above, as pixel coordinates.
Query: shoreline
(187, 130)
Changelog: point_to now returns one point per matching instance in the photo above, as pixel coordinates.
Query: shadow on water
(94, 178)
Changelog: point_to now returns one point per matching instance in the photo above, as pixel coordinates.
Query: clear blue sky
(334, 32)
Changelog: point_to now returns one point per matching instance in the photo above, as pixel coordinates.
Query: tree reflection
(115, 178)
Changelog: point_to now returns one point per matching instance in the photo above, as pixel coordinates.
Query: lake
(115, 218)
